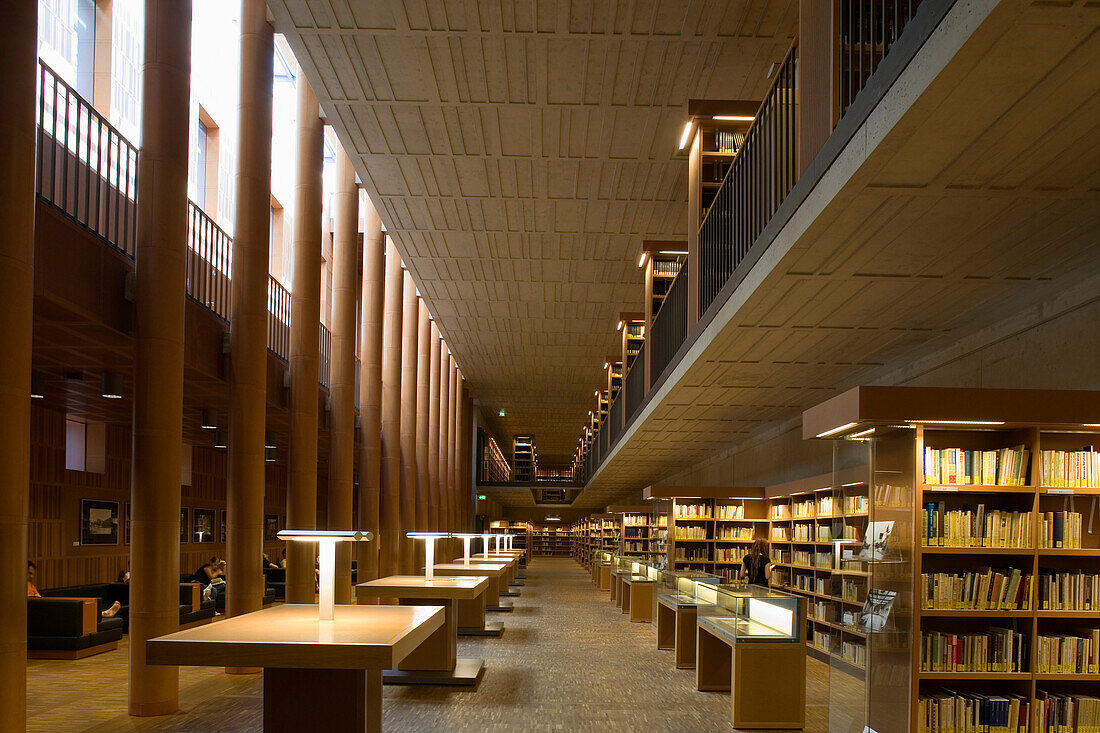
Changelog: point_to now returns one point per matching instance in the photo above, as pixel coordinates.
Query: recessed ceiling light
(836, 430)
(685, 134)
(733, 118)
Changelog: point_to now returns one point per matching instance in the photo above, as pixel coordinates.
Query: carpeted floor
(568, 660)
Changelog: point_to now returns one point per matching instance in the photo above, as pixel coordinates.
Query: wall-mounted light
(606, 364)
(209, 419)
(838, 429)
(686, 134)
(619, 327)
(38, 385)
(733, 118)
(220, 439)
(269, 455)
(642, 259)
(111, 385)
(269, 440)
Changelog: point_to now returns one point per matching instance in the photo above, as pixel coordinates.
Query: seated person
(267, 564)
(124, 575)
(211, 575)
(282, 562)
(32, 592)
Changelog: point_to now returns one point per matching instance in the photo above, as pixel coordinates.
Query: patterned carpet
(568, 661)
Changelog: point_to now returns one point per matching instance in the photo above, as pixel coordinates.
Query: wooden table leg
(338, 699)
(713, 662)
(440, 650)
(624, 596)
(666, 627)
(641, 602)
(685, 638)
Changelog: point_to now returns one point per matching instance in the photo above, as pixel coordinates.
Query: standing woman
(756, 567)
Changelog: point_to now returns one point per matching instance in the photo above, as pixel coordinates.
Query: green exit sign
(481, 497)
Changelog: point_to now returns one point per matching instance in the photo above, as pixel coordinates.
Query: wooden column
(158, 350)
(462, 471)
(248, 329)
(19, 59)
(390, 496)
(452, 441)
(423, 408)
(434, 522)
(447, 524)
(305, 317)
(345, 287)
(370, 389)
(819, 72)
(410, 325)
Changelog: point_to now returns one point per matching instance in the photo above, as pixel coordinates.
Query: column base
(501, 607)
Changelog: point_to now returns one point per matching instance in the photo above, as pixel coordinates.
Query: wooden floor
(568, 661)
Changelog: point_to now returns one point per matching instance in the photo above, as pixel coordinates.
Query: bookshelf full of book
(815, 527)
(551, 540)
(711, 529)
(524, 458)
(634, 532)
(984, 555)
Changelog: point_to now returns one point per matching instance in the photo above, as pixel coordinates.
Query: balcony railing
(324, 356)
(868, 28)
(634, 387)
(209, 250)
(278, 319)
(616, 419)
(85, 167)
(760, 178)
(670, 326)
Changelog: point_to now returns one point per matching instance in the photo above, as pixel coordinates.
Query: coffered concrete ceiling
(518, 153)
(964, 210)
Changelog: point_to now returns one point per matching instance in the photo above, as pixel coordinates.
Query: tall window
(66, 41)
(200, 166)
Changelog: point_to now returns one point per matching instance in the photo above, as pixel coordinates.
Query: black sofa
(276, 580)
(269, 593)
(107, 593)
(62, 626)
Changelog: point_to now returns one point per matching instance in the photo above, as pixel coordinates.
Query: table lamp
(429, 549)
(326, 544)
(485, 545)
(465, 537)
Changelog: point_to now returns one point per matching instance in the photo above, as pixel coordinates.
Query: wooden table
(436, 660)
(676, 616)
(496, 558)
(318, 675)
(518, 556)
(602, 574)
(496, 573)
(637, 593)
(767, 679)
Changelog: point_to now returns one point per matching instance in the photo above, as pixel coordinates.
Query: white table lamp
(485, 545)
(465, 537)
(326, 545)
(429, 549)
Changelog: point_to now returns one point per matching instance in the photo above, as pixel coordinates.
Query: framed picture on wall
(126, 525)
(221, 529)
(98, 522)
(185, 526)
(203, 528)
(271, 528)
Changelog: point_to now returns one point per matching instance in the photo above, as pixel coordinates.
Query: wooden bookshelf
(907, 434)
(823, 515)
(551, 540)
(524, 458)
(711, 528)
(634, 531)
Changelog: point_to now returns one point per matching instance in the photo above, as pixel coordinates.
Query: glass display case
(753, 614)
(688, 588)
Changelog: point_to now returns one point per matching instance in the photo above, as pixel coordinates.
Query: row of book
(691, 533)
(803, 510)
(666, 267)
(854, 652)
(1060, 530)
(744, 534)
(1061, 713)
(692, 554)
(1001, 589)
(855, 504)
(956, 466)
(1067, 654)
(1070, 468)
(953, 712)
(635, 520)
(728, 554)
(692, 511)
(973, 526)
(729, 511)
(825, 506)
(996, 650)
(726, 141)
(1068, 591)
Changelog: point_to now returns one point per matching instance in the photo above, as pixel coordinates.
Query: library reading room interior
(620, 365)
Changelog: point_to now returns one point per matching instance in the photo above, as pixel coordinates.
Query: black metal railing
(670, 326)
(209, 250)
(278, 319)
(324, 356)
(634, 387)
(761, 176)
(605, 438)
(868, 28)
(615, 419)
(85, 167)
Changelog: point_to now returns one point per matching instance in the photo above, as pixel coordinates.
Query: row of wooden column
(415, 425)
